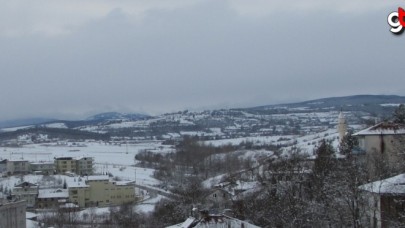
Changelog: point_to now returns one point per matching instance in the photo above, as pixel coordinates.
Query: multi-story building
(84, 165)
(101, 191)
(3, 167)
(65, 164)
(80, 165)
(383, 144)
(45, 168)
(26, 191)
(17, 167)
(12, 214)
(52, 198)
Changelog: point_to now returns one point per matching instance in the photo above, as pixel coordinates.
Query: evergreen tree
(325, 155)
(347, 144)
(399, 114)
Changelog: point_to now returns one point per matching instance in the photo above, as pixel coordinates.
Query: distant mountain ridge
(24, 122)
(116, 116)
(372, 104)
(95, 119)
(342, 101)
(377, 105)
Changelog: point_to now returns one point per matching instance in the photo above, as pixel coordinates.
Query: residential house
(12, 214)
(45, 168)
(386, 202)
(218, 198)
(3, 167)
(100, 191)
(207, 220)
(52, 198)
(383, 144)
(17, 167)
(26, 191)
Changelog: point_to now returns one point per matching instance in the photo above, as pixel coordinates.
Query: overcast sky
(73, 58)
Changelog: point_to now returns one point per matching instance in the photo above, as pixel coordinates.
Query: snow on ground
(148, 205)
(102, 152)
(389, 105)
(14, 128)
(253, 155)
(255, 139)
(210, 182)
(55, 125)
(31, 224)
(109, 158)
(308, 143)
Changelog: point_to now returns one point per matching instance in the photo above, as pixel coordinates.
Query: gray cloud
(160, 57)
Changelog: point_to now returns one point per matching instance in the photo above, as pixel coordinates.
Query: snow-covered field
(103, 153)
(114, 158)
(256, 140)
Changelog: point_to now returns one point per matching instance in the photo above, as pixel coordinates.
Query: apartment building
(17, 167)
(45, 168)
(65, 164)
(80, 165)
(101, 191)
(84, 165)
(26, 191)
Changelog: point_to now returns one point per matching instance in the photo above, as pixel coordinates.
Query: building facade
(17, 167)
(100, 191)
(383, 144)
(26, 191)
(65, 164)
(52, 198)
(386, 202)
(12, 214)
(80, 165)
(45, 168)
(84, 165)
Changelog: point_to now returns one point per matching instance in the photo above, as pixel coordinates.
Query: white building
(26, 191)
(386, 202)
(383, 144)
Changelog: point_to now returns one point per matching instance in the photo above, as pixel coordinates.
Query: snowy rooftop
(53, 193)
(383, 128)
(123, 183)
(392, 185)
(69, 205)
(42, 163)
(213, 221)
(185, 224)
(96, 178)
(17, 160)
